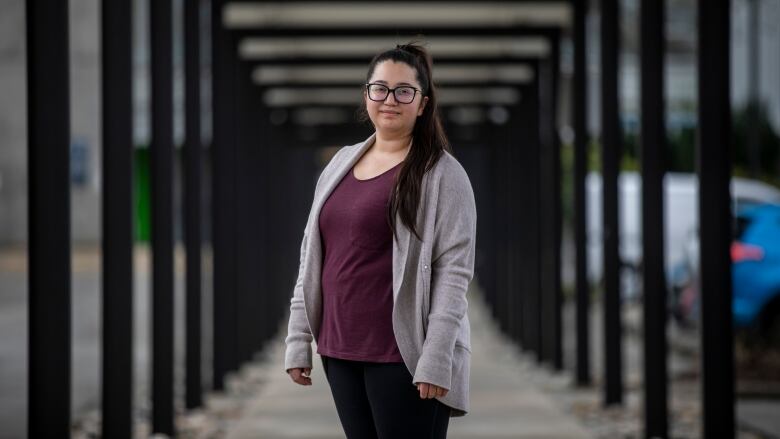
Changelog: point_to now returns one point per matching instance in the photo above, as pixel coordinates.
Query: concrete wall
(85, 117)
(85, 82)
(85, 121)
(13, 123)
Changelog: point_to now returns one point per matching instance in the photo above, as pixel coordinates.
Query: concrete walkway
(503, 403)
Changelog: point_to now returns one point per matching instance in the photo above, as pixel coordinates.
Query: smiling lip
(389, 112)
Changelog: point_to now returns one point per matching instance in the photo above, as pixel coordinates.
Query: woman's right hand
(300, 375)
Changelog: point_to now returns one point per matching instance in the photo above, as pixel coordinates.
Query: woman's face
(391, 116)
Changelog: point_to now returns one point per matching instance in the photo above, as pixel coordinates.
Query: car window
(743, 204)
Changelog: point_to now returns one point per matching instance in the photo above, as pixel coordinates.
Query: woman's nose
(391, 97)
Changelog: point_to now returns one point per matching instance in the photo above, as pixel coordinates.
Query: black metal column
(248, 217)
(752, 136)
(508, 206)
(546, 120)
(161, 164)
(611, 141)
(530, 219)
(117, 217)
(266, 259)
(582, 287)
(277, 225)
(223, 195)
(556, 325)
(483, 262)
(48, 131)
(193, 150)
(515, 212)
(529, 173)
(490, 272)
(242, 328)
(522, 217)
(714, 170)
(653, 145)
(491, 281)
(506, 173)
(272, 151)
(550, 208)
(502, 199)
(300, 183)
(496, 183)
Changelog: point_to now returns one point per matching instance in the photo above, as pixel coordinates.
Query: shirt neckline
(352, 172)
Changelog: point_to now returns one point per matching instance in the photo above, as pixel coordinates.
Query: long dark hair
(428, 138)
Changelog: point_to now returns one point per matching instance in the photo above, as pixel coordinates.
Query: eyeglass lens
(378, 92)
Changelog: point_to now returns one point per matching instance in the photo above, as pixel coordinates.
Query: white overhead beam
(514, 73)
(264, 47)
(349, 14)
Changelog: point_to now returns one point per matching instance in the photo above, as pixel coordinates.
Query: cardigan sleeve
(452, 268)
(299, 337)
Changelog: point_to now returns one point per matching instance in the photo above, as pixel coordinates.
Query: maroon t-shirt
(357, 272)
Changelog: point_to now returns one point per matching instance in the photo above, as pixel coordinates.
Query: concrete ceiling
(312, 29)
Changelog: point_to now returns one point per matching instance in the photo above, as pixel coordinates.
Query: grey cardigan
(430, 278)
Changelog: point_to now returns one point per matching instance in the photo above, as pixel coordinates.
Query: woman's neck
(391, 144)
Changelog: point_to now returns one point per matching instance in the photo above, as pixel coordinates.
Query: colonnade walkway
(503, 403)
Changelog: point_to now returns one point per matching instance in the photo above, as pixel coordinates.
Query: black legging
(378, 400)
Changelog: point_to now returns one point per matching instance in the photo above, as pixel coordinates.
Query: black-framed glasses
(403, 94)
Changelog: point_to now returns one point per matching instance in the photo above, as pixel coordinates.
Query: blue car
(755, 255)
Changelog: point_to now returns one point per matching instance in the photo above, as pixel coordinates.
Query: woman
(386, 259)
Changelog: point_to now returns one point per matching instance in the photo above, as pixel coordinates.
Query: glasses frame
(392, 90)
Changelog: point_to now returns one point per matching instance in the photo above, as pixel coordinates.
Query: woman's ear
(422, 106)
(365, 99)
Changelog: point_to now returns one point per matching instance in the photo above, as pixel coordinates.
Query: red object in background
(741, 252)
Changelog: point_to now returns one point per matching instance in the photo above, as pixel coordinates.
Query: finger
(431, 391)
(307, 371)
(423, 390)
(440, 391)
(304, 381)
(298, 378)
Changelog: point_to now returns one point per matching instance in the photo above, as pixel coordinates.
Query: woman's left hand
(428, 391)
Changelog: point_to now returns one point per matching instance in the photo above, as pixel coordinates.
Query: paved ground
(503, 403)
(761, 416)
(85, 362)
(521, 400)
